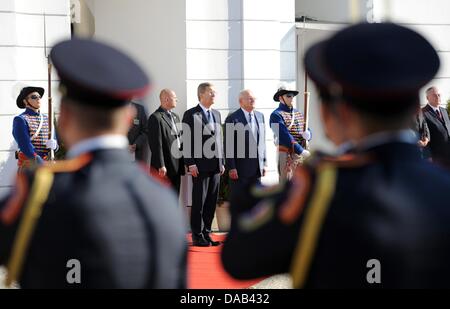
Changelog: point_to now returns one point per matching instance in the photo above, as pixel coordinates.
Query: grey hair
(429, 90)
(242, 92)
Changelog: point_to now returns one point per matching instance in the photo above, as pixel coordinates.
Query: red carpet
(205, 269)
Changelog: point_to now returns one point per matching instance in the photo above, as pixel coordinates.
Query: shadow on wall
(8, 170)
(234, 40)
(287, 56)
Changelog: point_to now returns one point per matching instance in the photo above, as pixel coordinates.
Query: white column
(23, 62)
(269, 59)
(154, 34)
(214, 50)
(237, 44)
(431, 19)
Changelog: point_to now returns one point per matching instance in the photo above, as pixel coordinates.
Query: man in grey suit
(245, 149)
(439, 125)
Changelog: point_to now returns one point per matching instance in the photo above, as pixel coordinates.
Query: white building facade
(23, 62)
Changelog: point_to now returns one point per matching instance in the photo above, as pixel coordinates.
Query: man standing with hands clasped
(245, 143)
(202, 149)
(165, 141)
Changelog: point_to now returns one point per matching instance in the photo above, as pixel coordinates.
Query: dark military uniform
(375, 216)
(98, 212)
(340, 212)
(98, 208)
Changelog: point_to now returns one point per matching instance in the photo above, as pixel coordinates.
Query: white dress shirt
(253, 125)
(211, 119)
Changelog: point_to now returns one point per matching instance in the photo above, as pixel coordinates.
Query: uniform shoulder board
(302, 181)
(267, 191)
(25, 180)
(351, 160)
(259, 215)
(348, 160)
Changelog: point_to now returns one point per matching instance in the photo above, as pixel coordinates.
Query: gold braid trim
(39, 193)
(311, 227)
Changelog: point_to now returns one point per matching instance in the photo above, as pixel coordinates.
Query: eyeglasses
(35, 97)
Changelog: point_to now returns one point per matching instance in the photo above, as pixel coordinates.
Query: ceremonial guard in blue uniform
(97, 220)
(30, 129)
(373, 215)
(291, 136)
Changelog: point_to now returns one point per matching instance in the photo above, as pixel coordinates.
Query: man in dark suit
(439, 125)
(375, 214)
(245, 150)
(137, 135)
(97, 220)
(203, 155)
(164, 135)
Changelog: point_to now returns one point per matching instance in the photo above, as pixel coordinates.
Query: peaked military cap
(282, 91)
(25, 92)
(97, 74)
(380, 65)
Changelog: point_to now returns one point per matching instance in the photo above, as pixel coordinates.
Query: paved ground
(2, 277)
(282, 281)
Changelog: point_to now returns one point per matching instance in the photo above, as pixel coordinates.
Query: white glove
(306, 134)
(51, 144)
(305, 154)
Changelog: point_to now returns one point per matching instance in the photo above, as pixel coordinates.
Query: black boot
(199, 241)
(207, 237)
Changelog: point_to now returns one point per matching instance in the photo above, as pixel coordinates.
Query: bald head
(247, 100)
(168, 99)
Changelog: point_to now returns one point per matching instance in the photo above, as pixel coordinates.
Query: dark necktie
(252, 125)
(439, 115)
(211, 125)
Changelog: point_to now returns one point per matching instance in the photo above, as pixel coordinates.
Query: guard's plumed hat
(25, 92)
(378, 67)
(97, 74)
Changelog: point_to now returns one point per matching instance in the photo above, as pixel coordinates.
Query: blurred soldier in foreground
(95, 220)
(364, 218)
